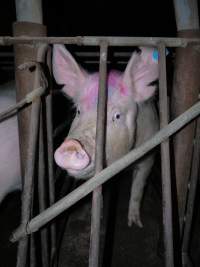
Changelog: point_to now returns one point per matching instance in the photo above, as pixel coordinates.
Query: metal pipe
(185, 92)
(95, 41)
(192, 187)
(10, 111)
(42, 192)
(165, 161)
(186, 14)
(29, 10)
(97, 199)
(49, 119)
(32, 258)
(106, 174)
(25, 79)
(28, 181)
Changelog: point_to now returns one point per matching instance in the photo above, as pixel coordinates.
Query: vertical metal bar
(191, 197)
(25, 80)
(186, 84)
(29, 10)
(49, 118)
(184, 21)
(32, 251)
(28, 181)
(42, 193)
(165, 162)
(97, 200)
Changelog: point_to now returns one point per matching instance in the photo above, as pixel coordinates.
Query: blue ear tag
(155, 54)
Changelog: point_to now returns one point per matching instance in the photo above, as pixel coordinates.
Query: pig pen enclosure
(55, 230)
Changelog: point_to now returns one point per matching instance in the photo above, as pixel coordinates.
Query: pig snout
(72, 156)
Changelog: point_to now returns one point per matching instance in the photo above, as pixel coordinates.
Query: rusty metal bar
(192, 186)
(165, 161)
(97, 198)
(42, 193)
(49, 120)
(96, 41)
(25, 79)
(28, 181)
(106, 174)
(185, 93)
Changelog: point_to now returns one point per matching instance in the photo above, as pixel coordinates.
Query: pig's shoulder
(147, 121)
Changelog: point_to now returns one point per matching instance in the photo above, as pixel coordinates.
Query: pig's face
(77, 153)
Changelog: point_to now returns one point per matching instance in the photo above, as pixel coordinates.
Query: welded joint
(37, 65)
(42, 79)
(32, 96)
(104, 46)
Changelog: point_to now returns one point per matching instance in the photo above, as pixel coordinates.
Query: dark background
(70, 18)
(108, 18)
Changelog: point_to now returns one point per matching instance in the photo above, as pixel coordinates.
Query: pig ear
(66, 71)
(140, 72)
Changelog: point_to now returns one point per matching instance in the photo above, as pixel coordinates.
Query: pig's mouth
(85, 173)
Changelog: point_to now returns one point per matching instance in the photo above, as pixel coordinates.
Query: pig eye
(116, 116)
(78, 112)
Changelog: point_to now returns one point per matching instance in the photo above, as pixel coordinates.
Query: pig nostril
(79, 155)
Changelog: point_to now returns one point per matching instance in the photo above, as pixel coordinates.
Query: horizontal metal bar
(96, 41)
(106, 174)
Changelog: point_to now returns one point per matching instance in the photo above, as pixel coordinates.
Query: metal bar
(97, 199)
(28, 181)
(192, 186)
(186, 84)
(106, 174)
(10, 111)
(42, 193)
(186, 15)
(29, 10)
(165, 161)
(95, 41)
(25, 79)
(49, 119)
(32, 251)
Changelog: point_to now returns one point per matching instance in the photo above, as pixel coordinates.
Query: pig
(131, 117)
(10, 176)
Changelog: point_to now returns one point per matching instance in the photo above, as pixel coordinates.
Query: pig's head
(125, 91)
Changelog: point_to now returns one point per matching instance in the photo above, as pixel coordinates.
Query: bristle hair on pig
(131, 117)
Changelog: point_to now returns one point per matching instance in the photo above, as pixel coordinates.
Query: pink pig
(131, 117)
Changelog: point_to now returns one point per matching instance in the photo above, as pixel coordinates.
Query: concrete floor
(138, 247)
(125, 246)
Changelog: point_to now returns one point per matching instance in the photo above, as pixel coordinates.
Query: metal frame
(102, 176)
